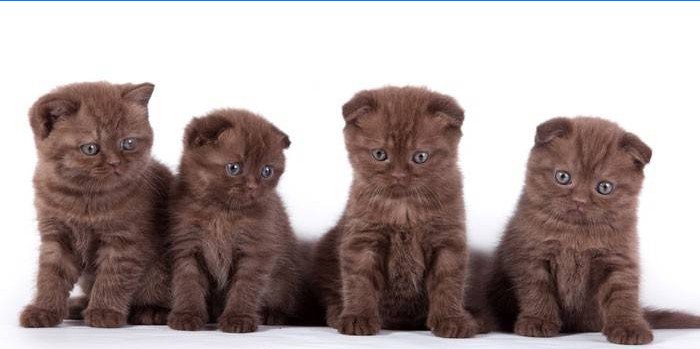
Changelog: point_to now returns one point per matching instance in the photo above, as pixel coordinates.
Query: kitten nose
(252, 185)
(398, 175)
(580, 203)
(113, 162)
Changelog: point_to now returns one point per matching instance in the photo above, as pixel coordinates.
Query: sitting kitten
(568, 260)
(397, 257)
(100, 200)
(235, 255)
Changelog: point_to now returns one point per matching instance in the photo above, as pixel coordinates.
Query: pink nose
(398, 175)
(114, 163)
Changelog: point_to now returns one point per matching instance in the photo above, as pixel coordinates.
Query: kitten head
(403, 140)
(585, 170)
(94, 134)
(233, 157)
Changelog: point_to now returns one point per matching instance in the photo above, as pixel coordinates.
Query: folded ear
(554, 128)
(641, 153)
(362, 103)
(205, 130)
(139, 94)
(284, 139)
(447, 107)
(48, 110)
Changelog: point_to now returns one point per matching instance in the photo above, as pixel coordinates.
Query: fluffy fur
(397, 257)
(101, 216)
(568, 260)
(236, 259)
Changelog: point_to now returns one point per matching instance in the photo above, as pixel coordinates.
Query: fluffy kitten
(235, 255)
(100, 200)
(397, 257)
(568, 259)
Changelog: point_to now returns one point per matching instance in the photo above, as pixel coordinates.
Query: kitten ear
(48, 110)
(139, 94)
(554, 128)
(638, 149)
(285, 140)
(205, 130)
(362, 103)
(447, 107)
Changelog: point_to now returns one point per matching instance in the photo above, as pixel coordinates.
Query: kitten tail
(666, 319)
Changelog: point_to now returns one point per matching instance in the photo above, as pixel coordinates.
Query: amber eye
(267, 171)
(420, 157)
(605, 188)
(128, 143)
(562, 177)
(90, 149)
(234, 169)
(379, 154)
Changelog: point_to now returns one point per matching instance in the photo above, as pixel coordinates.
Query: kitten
(100, 200)
(568, 260)
(235, 255)
(397, 257)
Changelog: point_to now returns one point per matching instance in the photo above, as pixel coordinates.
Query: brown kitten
(235, 255)
(100, 200)
(397, 257)
(568, 260)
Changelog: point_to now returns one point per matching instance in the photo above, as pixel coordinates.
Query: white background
(510, 65)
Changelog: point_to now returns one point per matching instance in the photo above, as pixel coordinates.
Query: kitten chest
(571, 271)
(217, 250)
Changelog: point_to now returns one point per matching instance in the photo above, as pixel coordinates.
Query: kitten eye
(379, 154)
(90, 149)
(128, 143)
(234, 169)
(267, 171)
(420, 157)
(605, 187)
(562, 177)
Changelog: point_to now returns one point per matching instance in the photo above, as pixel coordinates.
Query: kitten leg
(539, 310)
(618, 297)
(240, 314)
(190, 288)
(59, 270)
(445, 285)
(76, 305)
(361, 280)
(119, 271)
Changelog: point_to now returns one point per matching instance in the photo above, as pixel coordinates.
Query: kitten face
(234, 157)
(94, 133)
(400, 141)
(585, 170)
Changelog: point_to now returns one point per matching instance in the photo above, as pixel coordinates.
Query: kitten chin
(568, 261)
(236, 259)
(101, 207)
(397, 258)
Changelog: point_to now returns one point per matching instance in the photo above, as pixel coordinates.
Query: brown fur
(568, 260)
(397, 257)
(235, 255)
(101, 217)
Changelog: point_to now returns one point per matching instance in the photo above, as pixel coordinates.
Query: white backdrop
(510, 65)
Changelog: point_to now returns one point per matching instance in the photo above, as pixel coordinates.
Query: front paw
(238, 323)
(460, 326)
(634, 332)
(356, 325)
(532, 326)
(184, 321)
(105, 318)
(33, 316)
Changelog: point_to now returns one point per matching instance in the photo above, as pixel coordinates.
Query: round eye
(605, 187)
(128, 144)
(562, 177)
(234, 169)
(420, 157)
(379, 154)
(90, 149)
(267, 171)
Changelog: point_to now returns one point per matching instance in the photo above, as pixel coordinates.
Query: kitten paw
(333, 315)
(182, 321)
(634, 333)
(355, 325)
(33, 316)
(462, 326)
(531, 326)
(237, 323)
(105, 318)
(149, 315)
